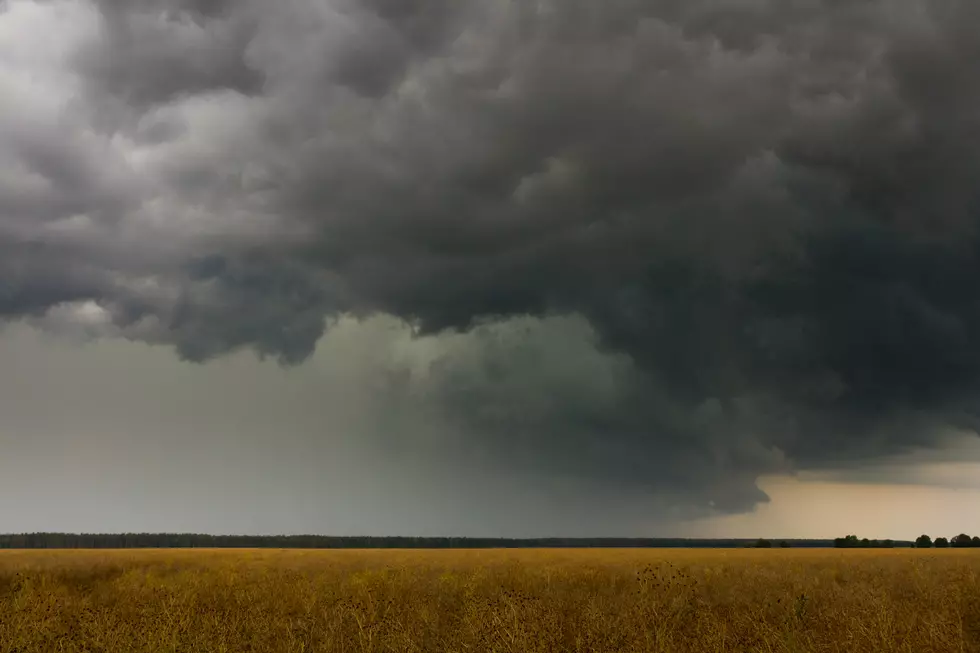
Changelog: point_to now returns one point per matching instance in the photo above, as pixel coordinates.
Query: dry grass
(519, 600)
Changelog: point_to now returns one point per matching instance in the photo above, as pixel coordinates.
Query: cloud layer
(691, 242)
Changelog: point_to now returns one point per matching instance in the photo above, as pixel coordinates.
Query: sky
(457, 267)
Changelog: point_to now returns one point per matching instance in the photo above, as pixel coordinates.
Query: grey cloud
(766, 209)
(391, 36)
(153, 52)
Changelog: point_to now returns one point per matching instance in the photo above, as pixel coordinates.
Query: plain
(514, 600)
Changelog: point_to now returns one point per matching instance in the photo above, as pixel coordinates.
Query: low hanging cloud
(689, 242)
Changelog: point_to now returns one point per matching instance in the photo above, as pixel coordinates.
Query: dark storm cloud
(246, 307)
(767, 209)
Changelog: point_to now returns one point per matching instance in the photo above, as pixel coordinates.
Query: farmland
(530, 601)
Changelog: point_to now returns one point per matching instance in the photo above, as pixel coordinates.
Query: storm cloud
(689, 243)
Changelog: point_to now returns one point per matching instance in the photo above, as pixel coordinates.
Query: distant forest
(961, 541)
(197, 540)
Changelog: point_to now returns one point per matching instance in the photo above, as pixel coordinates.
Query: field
(490, 600)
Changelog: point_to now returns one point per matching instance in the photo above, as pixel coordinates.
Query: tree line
(763, 543)
(852, 542)
(199, 540)
(202, 540)
(961, 541)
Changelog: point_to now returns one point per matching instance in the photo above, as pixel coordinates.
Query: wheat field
(525, 601)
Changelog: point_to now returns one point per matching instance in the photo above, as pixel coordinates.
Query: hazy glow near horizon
(820, 510)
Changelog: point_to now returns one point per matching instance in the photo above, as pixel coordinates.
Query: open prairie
(520, 601)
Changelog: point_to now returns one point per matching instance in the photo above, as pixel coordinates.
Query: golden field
(490, 600)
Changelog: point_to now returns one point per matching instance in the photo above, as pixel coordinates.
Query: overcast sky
(473, 267)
